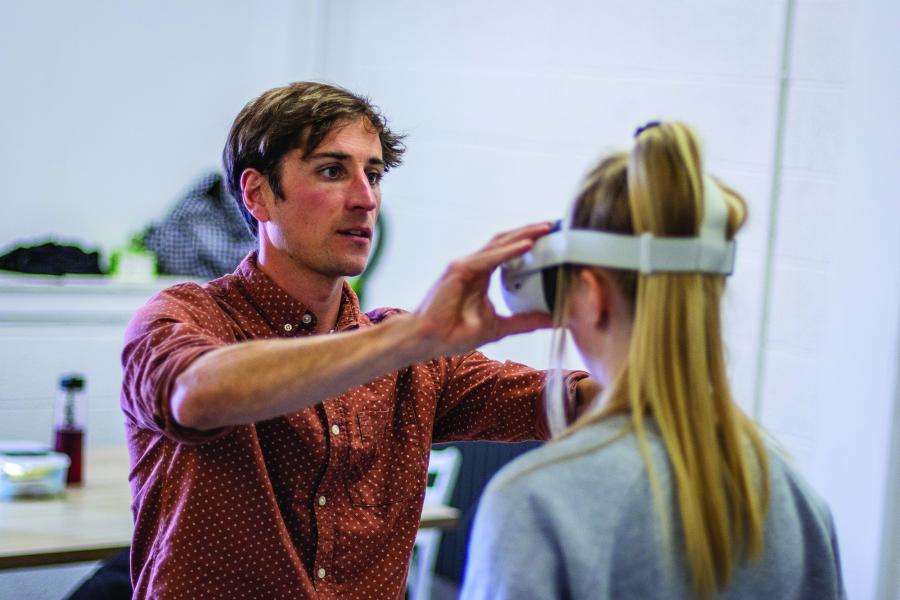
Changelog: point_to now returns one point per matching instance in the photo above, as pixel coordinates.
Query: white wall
(111, 109)
(856, 435)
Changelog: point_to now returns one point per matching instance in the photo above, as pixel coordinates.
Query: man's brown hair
(298, 115)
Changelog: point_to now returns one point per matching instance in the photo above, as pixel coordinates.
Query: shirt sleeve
(512, 555)
(165, 336)
(492, 400)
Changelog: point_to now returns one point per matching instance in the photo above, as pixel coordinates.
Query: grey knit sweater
(576, 520)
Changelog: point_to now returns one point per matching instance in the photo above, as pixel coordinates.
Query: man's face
(325, 222)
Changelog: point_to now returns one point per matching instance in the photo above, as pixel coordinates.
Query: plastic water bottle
(70, 420)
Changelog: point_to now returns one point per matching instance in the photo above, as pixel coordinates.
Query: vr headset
(529, 281)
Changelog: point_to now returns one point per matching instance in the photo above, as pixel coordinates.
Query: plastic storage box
(30, 469)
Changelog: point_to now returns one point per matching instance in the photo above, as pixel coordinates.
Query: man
(270, 459)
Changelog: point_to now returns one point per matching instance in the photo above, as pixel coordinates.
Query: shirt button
(321, 573)
(306, 318)
(322, 500)
(288, 326)
(335, 429)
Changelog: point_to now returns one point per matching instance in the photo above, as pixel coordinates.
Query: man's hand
(457, 316)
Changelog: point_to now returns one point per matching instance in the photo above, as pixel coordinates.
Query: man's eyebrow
(334, 155)
(342, 156)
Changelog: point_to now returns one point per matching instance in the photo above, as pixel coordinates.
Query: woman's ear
(590, 299)
(256, 194)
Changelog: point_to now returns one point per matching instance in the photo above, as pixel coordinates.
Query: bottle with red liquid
(69, 424)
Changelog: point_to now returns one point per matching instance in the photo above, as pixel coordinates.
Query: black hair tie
(645, 127)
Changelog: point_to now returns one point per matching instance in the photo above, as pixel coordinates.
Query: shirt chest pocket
(387, 460)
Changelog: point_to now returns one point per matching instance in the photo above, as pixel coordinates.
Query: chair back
(443, 469)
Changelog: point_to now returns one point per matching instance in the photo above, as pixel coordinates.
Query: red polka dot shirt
(321, 503)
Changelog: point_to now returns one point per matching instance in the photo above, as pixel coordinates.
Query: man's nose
(362, 194)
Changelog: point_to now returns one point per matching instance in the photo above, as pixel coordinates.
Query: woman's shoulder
(603, 458)
(789, 488)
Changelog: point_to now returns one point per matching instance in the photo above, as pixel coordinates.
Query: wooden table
(94, 522)
(91, 522)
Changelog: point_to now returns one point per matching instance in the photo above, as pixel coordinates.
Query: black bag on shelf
(51, 258)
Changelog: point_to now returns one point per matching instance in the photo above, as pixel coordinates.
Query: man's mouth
(358, 232)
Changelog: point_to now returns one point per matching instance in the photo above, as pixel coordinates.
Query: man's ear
(256, 194)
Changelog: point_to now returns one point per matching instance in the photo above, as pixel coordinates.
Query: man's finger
(525, 322)
(529, 232)
(490, 258)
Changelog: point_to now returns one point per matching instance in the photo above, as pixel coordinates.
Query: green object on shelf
(133, 262)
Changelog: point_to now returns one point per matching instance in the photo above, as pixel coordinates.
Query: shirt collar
(286, 314)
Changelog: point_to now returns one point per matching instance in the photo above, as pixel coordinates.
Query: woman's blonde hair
(675, 369)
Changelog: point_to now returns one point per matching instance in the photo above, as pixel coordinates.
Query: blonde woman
(664, 489)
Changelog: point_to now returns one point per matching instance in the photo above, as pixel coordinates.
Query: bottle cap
(71, 382)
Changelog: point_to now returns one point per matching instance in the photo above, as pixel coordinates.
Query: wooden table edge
(439, 517)
(60, 557)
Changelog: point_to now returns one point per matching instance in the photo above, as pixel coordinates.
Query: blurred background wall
(109, 110)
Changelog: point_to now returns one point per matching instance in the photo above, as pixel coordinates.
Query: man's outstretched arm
(258, 380)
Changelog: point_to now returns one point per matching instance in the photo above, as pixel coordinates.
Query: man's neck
(319, 293)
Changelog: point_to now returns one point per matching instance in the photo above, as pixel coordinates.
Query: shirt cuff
(574, 405)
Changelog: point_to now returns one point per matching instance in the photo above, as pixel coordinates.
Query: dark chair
(112, 581)
(480, 460)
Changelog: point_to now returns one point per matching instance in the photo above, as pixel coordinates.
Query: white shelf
(74, 299)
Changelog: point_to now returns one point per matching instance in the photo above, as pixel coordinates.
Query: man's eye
(375, 177)
(331, 172)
